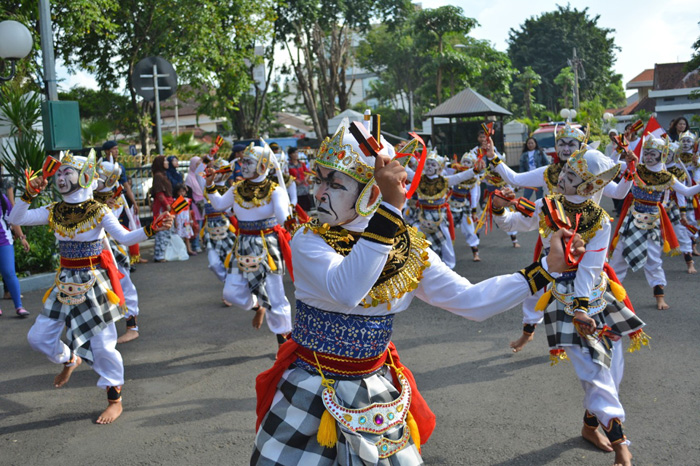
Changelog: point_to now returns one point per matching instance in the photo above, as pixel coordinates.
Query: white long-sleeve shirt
(22, 215)
(326, 280)
(591, 265)
(277, 207)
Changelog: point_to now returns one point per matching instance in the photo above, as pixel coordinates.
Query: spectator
(112, 148)
(298, 170)
(235, 157)
(678, 126)
(174, 176)
(7, 255)
(195, 185)
(532, 158)
(162, 192)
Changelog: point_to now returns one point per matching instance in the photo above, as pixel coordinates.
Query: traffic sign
(143, 80)
(132, 150)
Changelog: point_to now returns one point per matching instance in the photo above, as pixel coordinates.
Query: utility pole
(574, 63)
(47, 49)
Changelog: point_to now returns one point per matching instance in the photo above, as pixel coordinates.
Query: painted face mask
(687, 145)
(336, 196)
(565, 147)
(248, 168)
(652, 157)
(432, 167)
(66, 179)
(568, 181)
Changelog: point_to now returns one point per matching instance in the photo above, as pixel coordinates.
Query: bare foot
(476, 257)
(61, 379)
(623, 457)
(661, 303)
(597, 438)
(259, 317)
(516, 244)
(520, 343)
(691, 267)
(226, 303)
(128, 336)
(109, 415)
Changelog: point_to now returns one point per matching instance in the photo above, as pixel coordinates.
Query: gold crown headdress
(110, 171)
(649, 142)
(567, 131)
(433, 155)
(468, 159)
(687, 134)
(262, 154)
(594, 168)
(87, 166)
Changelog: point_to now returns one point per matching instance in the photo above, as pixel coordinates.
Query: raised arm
(22, 215)
(617, 190)
(533, 178)
(684, 190)
(121, 234)
(457, 178)
(219, 202)
(509, 220)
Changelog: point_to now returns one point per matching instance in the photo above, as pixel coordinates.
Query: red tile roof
(644, 76)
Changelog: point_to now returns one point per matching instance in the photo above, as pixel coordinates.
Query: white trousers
(448, 249)
(530, 315)
(684, 239)
(279, 318)
(215, 264)
(131, 297)
(653, 269)
(599, 383)
(45, 337)
(467, 227)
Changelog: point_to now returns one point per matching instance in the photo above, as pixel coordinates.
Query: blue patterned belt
(79, 249)
(347, 335)
(431, 202)
(258, 225)
(648, 196)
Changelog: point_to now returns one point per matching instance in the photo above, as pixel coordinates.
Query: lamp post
(15, 44)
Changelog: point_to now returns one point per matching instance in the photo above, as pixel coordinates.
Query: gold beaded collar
(404, 266)
(592, 217)
(431, 189)
(652, 181)
(678, 172)
(70, 220)
(250, 195)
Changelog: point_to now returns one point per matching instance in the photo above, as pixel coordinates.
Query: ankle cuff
(114, 394)
(529, 328)
(658, 291)
(71, 362)
(131, 323)
(614, 432)
(590, 420)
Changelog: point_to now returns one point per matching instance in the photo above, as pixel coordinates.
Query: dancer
(644, 229)
(109, 174)
(688, 156)
(464, 203)
(338, 393)
(87, 298)
(567, 140)
(587, 300)
(217, 232)
(255, 265)
(435, 219)
(677, 207)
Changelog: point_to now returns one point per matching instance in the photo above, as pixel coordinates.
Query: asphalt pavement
(189, 396)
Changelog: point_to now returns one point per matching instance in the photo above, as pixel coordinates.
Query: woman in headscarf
(194, 183)
(174, 176)
(162, 192)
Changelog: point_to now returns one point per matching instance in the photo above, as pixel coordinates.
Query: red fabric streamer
(285, 248)
(107, 263)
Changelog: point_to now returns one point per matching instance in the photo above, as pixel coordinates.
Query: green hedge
(42, 256)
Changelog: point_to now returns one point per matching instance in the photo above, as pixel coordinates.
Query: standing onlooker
(236, 154)
(162, 192)
(532, 158)
(7, 255)
(298, 170)
(174, 176)
(195, 183)
(678, 126)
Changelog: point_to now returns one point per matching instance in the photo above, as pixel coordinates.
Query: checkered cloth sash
(634, 242)
(562, 333)
(222, 246)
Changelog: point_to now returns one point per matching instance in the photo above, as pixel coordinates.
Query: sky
(647, 31)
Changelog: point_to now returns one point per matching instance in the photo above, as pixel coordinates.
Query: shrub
(42, 256)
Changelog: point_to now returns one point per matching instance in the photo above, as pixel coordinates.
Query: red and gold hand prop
(521, 204)
(176, 207)
(50, 167)
(370, 143)
(637, 125)
(117, 192)
(218, 142)
(488, 131)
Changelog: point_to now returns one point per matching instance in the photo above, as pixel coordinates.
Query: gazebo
(459, 121)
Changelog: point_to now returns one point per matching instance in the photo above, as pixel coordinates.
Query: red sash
(266, 386)
(107, 263)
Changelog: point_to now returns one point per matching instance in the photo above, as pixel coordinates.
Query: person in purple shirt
(7, 255)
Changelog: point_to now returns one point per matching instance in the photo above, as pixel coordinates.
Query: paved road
(189, 396)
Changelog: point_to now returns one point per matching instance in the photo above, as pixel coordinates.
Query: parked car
(544, 135)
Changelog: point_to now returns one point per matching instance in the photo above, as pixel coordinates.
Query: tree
(546, 42)
(526, 82)
(318, 38)
(434, 24)
(565, 80)
(694, 62)
(104, 105)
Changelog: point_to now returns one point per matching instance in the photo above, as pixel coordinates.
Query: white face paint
(336, 196)
(568, 181)
(567, 146)
(248, 168)
(432, 167)
(67, 180)
(467, 162)
(652, 157)
(687, 145)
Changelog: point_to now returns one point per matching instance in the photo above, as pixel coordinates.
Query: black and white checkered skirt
(562, 333)
(221, 246)
(287, 435)
(435, 218)
(87, 319)
(120, 253)
(248, 246)
(633, 240)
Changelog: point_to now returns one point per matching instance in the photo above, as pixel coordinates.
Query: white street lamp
(15, 44)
